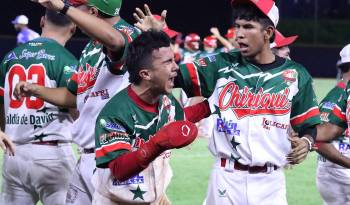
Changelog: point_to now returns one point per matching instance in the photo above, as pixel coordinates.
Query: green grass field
(191, 167)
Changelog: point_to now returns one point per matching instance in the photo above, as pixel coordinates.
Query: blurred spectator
(25, 34)
(281, 43)
(191, 48)
(229, 42)
(209, 47)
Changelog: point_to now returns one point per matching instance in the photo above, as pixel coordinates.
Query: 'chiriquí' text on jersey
(253, 105)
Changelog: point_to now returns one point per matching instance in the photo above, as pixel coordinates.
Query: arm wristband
(64, 9)
(309, 142)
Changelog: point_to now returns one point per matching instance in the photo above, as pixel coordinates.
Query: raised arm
(94, 27)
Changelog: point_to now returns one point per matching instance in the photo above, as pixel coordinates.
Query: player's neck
(57, 36)
(264, 57)
(145, 93)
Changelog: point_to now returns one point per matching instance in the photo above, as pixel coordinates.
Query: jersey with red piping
(252, 108)
(331, 112)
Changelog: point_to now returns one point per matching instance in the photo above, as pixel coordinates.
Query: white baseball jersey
(253, 105)
(95, 83)
(47, 63)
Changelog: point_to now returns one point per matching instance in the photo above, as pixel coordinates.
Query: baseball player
(257, 95)
(132, 137)
(333, 173)
(281, 43)
(191, 48)
(20, 23)
(44, 160)
(210, 46)
(100, 75)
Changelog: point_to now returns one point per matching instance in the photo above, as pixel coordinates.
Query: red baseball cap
(268, 7)
(210, 41)
(171, 33)
(230, 33)
(281, 41)
(192, 37)
(77, 3)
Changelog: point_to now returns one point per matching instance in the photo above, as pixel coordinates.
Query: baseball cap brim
(286, 41)
(77, 3)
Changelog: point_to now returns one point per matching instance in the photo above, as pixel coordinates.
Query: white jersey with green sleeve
(253, 105)
(45, 62)
(96, 82)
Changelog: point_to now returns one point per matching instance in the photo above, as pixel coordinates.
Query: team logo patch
(290, 76)
(267, 124)
(69, 69)
(228, 127)
(222, 193)
(134, 180)
(111, 126)
(324, 116)
(212, 58)
(328, 105)
(11, 56)
(201, 62)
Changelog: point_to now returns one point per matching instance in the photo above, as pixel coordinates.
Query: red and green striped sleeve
(199, 77)
(112, 140)
(333, 106)
(304, 112)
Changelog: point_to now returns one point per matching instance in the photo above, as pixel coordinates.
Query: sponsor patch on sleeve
(112, 126)
(328, 105)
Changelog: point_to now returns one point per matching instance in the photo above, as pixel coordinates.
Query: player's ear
(42, 22)
(268, 33)
(145, 74)
(73, 29)
(93, 11)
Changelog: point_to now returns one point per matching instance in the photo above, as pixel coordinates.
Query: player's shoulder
(298, 69)
(127, 28)
(117, 105)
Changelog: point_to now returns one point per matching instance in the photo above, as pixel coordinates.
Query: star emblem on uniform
(138, 193)
(37, 126)
(42, 135)
(217, 111)
(234, 143)
(43, 110)
(235, 158)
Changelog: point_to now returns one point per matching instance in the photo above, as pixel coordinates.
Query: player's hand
(300, 149)
(145, 20)
(24, 89)
(56, 5)
(215, 31)
(176, 134)
(6, 144)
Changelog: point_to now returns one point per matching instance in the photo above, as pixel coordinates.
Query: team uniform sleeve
(304, 112)
(199, 77)
(112, 140)
(2, 79)
(333, 106)
(68, 67)
(115, 61)
(72, 85)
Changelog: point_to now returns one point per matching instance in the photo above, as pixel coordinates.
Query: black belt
(50, 142)
(89, 151)
(250, 169)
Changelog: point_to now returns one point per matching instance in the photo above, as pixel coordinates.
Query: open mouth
(243, 47)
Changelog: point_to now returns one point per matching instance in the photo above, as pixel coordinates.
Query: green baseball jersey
(329, 106)
(124, 124)
(45, 62)
(122, 127)
(97, 80)
(253, 105)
